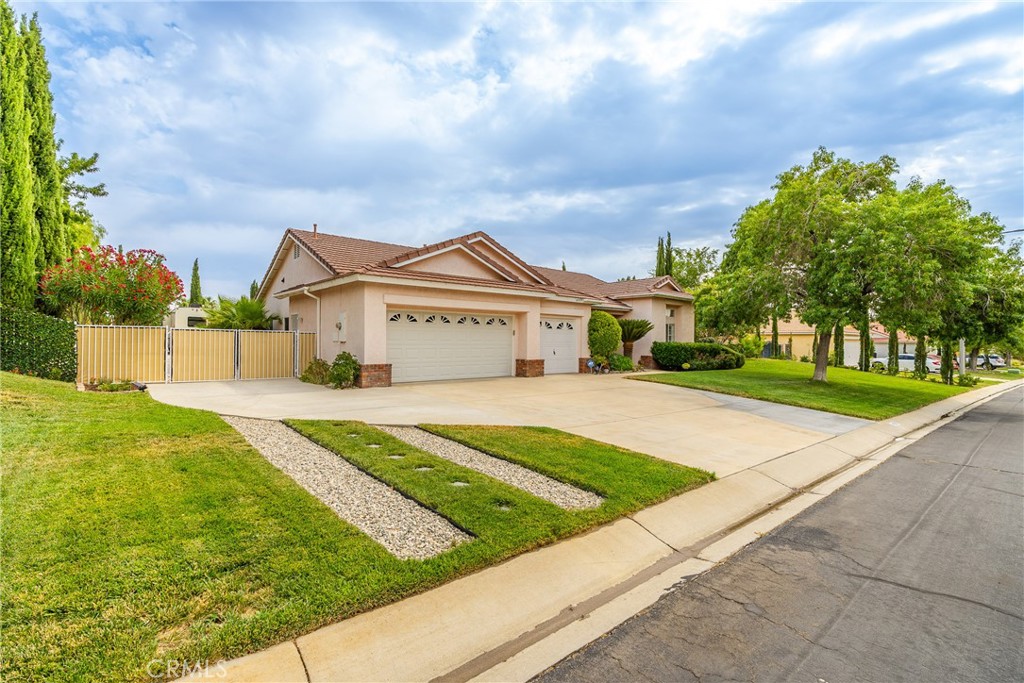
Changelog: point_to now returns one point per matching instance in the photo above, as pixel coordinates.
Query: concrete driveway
(723, 434)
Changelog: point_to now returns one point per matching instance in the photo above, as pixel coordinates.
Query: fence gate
(160, 354)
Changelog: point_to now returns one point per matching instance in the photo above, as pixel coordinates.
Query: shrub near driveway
(847, 392)
(140, 536)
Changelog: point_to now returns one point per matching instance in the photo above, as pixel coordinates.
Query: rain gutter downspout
(305, 290)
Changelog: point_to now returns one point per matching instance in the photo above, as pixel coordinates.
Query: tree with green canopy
(633, 330)
(239, 314)
(195, 289)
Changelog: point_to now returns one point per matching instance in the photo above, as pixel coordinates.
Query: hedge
(35, 344)
(695, 356)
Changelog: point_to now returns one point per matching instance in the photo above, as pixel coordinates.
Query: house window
(295, 251)
(670, 331)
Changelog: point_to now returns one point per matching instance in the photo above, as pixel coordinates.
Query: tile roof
(346, 254)
(349, 255)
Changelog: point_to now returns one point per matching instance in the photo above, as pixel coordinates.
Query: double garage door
(435, 345)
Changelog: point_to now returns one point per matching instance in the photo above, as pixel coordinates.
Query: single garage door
(559, 346)
(429, 345)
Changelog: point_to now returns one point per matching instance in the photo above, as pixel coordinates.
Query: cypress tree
(195, 291)
(254, 289)
(48, 210)
(670, 257)
(659, 261)
(19, 238)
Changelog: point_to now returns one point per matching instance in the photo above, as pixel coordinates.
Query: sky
(569, 132)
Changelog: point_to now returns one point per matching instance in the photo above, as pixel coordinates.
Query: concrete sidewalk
(511, 621)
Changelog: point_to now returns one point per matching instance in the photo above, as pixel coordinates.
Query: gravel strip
(404, 528)
(562, 495)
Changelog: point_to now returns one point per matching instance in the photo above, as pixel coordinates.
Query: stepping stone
(396, 457)
(373, 445)
(460, 483)
(424, 469)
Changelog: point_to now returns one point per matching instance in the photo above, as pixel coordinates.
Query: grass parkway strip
(138, 534)
(847, 392)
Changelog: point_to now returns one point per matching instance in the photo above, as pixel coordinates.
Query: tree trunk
(775, 336)
(840, 346)
(821, 359)
(627, 349)
(920, 354)
(974, 359)
(893, 367)
(946, 368)
(814, 345)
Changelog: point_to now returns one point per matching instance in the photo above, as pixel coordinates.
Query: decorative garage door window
(431, 345)
(564, 325)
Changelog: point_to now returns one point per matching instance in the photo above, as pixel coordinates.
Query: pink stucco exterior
(321, 291)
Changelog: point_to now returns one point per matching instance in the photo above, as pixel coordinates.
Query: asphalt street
(914, 572)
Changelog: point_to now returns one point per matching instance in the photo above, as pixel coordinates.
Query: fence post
(169, 359)
(238, 355)
(295, 354)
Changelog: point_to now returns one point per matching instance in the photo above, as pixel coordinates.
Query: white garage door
(426, 345)
(559, 345)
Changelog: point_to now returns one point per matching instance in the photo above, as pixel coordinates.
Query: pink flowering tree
(105, 286)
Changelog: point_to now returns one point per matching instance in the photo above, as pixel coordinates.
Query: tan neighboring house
(464, 308)
(185, 316)
(797, 339)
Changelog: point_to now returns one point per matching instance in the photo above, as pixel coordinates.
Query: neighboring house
(466, 307)
(185, 316)
(796, 339)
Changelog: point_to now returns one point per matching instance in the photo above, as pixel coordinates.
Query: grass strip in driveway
(504, 519)
(847, 392)
(139, 536)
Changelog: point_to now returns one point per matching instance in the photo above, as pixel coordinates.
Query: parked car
(938, 362)
(906, 362)
(993, 359)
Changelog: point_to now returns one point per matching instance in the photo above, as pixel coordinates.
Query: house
(186, 316)
(796, 339)
(463, 308)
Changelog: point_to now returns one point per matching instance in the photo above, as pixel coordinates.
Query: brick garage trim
(526, 367)
(583, 366)
(648, 362)
(374, 376)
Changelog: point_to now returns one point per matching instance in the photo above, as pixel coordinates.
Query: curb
(514, 620)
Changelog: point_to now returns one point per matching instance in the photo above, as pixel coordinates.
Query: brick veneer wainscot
(529, 367)
(648, 362)
(374, 376)
(583, 366)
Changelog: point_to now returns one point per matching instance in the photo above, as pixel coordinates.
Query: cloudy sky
(575, 132)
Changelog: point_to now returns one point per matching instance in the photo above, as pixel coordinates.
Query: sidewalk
(512, 621)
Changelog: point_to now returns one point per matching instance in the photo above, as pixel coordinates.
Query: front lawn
(847, 392)
(138, 534)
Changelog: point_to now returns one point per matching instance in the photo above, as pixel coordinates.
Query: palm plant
(239, 314)
(633, 330)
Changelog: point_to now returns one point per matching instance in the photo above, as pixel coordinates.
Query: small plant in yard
(317, 372)
(620, 363)
(967, 380)
(344, 371)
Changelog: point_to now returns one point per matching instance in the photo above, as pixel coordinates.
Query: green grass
(135, 531)
(847, 392)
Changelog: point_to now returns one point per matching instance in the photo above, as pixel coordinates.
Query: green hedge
(695, 356)
(35, 344)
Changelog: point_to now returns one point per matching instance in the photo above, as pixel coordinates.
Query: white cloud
(1004, 57)
(879, 25)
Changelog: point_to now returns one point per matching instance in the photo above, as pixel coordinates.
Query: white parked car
(994, 359)
(906, 361)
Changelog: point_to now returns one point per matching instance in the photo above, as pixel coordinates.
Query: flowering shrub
(106, 286)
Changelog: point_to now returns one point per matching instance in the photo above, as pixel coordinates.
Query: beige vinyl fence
(159, 354)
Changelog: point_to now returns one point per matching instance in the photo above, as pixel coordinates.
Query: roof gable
(458, 259)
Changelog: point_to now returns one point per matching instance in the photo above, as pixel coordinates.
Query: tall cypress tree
(19, 238)
(659, 262)
(670, 256)
(47, 187)
(195, 291)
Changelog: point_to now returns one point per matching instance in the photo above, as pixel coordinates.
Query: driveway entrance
(723, 434)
